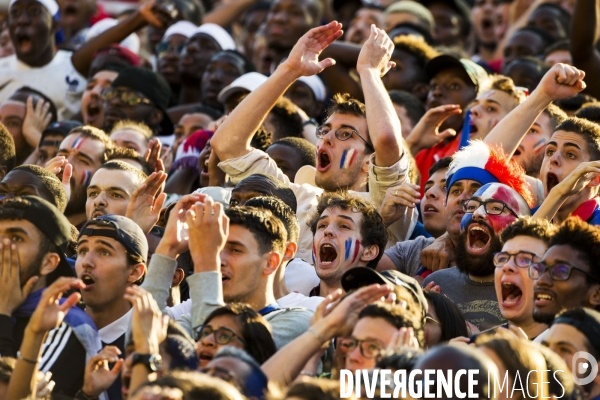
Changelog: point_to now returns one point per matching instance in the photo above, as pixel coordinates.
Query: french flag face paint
(314, 257)
(347, 159)
(86, 176)
(352, 248)
(78, 142)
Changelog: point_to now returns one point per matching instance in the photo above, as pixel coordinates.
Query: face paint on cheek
(465, 221)
(347, 158)
(492, 123)
(86, 176)
(356, 250)
(314, 251)
(499, 222)
(352, 248)
(539, 146)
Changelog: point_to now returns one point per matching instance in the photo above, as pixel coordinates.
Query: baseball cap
(121, 52)
(131, 42)
(316, 85)
(358, 277)
(247, 82)
(153, 86)
(183, 28)
(221, 36)
(61, 127)
(50, 5)
(120, 228)
(475, 72)
(585, 320)
(47, 219)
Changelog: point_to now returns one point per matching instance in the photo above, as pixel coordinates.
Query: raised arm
(560, 82)
(233, 137)
(583, 42)
(227, 12)
(382, 120)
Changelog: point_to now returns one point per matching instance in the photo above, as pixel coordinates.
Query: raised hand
(144, 206)
(427, 133)
(98, 377)
(148, 325)
(208, 229)
(560, 82)
(396, 199)
(61, 167)
(403, 338)
(304, 57)
(152, 156)
(439, 254)
(49, 314)
(175, 239)
(376, 52)
(12, 294)
(36, 120)
(584, 175)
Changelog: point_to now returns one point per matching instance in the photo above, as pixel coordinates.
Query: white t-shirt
(58, 80)
(299, 300)
(300, 276)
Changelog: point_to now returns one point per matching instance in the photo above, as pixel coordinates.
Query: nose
(555, 158)
(355, 355)
(480, 213)
(545, 280)
(431, 194)
(208, 341)
(510, 266)
(100, 200)
(475, 111)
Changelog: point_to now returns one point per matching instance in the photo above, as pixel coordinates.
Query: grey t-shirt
(407, 255)
(477, 301)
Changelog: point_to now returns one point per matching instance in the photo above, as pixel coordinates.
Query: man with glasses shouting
(138, 95)
(525, 243)
(568, 276)
(470, 285)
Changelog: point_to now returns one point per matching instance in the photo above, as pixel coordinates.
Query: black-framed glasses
(492, 207)
(164, 47)
(558, 272)
(125, 96)
(222, 335)
(523, 259)
(368, 348)
(342, 134)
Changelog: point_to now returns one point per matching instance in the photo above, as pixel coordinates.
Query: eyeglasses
(342, 134)
(164, 47)
(558, 272)
(523, 259)
(127, 97)
(368, 348)
(222, 335)
(492, 207)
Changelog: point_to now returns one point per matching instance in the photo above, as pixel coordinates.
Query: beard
(543, 317)
(76, 204)
(481, 264)
(342, 180)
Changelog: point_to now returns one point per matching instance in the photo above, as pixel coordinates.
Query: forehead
(85, 144)
(563, 138)
(333, 212)
(19, 177)
(373, 328)
(194, 118)
(12, 108)
(439, 175)
(114, 178)
(566, 253)
(228, 58)
(503, 98)
(101, 240)
(565, 333)
(498, 191)
(22, 224)
(338, 119)
(105, 76)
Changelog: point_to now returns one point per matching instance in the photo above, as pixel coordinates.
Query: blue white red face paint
(352, 248)
(78, 142)
(496, 191)
(347, 159)
(539, 146)
(314, 251)
(86, 177)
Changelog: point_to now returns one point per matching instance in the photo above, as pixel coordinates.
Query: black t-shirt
(114, 392)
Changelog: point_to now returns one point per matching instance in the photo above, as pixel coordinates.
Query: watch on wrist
(151, 361)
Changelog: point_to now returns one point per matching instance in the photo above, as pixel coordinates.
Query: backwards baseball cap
(358, 277)
(247, 82)
(61, 127)
(153, 86)
(585, 320)
(47, 219)
(476, 73)
(50, 5)
(316, 85)
(120, 228)
(183, 28)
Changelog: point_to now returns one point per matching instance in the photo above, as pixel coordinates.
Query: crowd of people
(249, 199)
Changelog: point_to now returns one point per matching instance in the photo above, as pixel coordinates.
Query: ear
(365, 166)
(136, 272)
(273, 261)
(369, 253)
(177, 277)
(49, 263)
(594, 297)
(290, 251)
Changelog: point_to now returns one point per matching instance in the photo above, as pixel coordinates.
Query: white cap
(219, 34)
(184, 28)
(316, 85)
(131, 42)
(51, 5)
(217, 193)
(248, 81)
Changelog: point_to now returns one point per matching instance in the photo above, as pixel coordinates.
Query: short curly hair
(51, 185)
(538, 228)
(372, 228)
(343, 103)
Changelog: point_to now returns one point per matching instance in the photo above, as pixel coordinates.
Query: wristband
(29, 360)
(316, 334)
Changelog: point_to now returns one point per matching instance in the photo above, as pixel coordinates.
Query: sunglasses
(164, 47)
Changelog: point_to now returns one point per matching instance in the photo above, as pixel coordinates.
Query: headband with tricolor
(484, 164)
(51, 5)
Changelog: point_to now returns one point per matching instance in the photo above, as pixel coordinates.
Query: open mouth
(478, 239)
(429, 209)
(542, 298)
(474, 129)
(93, 110)
(551, 181)
(23, 42)
(511, 294)
(323, 161)
(327, 254)
(206, 357)
(487, 23)
(97, 213)
(517, 152)
(87, 280)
